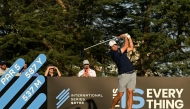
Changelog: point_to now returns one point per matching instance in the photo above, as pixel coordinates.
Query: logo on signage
(62, 97)
(154, 98)
(123, 100)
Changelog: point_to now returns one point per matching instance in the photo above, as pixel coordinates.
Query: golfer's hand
(123, 36)
(127, 35)
(119, 37)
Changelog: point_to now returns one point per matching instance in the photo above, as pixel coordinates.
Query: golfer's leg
(130, 89)
(121, 90)
(129, 98)
(116, 99)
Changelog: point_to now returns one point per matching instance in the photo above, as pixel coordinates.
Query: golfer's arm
(125, 46)
(130, 47)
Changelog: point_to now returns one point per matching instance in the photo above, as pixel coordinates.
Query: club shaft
(99, 43)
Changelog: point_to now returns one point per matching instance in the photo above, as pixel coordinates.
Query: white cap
(85, 62)
(111, 43)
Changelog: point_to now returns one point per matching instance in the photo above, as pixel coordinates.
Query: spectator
(50, 71)
(24, 68)
(86, 72)
(3, 67)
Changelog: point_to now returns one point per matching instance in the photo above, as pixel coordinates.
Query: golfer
(126, 74)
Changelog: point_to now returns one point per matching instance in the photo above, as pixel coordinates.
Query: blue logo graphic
(9, 75)
(62, 97)
(28, 93)
(135, 98)
(40, 99)
(20, 82)
(139, 99)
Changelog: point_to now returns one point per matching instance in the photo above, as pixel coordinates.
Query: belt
(130, 72)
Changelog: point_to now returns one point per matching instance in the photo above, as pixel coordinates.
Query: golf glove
(128, 36)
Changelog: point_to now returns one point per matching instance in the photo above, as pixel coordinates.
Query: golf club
(99, 43)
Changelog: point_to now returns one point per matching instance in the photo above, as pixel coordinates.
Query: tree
(175, 27)
(61, 29)
(40, 27)
(159, 33)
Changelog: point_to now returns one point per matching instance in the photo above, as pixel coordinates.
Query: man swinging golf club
(126, 74)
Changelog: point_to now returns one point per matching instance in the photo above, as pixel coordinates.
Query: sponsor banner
(98, 93)
(80, 93)
(18, 92)
(42, 89)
